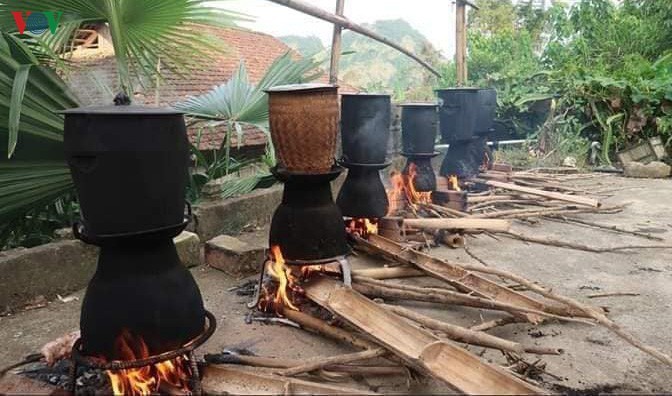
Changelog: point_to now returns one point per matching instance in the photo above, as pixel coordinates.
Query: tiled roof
(257, 50)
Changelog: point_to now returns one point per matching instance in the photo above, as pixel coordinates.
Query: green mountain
(374, 66)
(305, 45)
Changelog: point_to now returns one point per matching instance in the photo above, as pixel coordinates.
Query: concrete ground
(594, 358)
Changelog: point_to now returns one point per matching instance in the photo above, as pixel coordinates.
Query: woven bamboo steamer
(304, 126)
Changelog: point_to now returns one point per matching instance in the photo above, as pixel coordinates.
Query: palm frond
(143, 31)
(240, 101)
(26, 184)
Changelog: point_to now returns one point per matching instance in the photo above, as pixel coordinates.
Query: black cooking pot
(130, 167)
(365, 128)
(418, 128)
(458, 112)
(485, 120)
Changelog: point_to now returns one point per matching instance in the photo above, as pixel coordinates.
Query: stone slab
(233, 256)
(230, 216)
(188, 247)
(652, 170)
(44, 271)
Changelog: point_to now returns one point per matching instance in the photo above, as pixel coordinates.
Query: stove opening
(168, 376)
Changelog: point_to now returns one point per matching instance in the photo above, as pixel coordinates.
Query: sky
(435, 19)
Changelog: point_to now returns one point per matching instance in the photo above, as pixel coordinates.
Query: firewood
(441, 359)
(449, 212)
(460, 278)
(518, 213)
(588, 310)
(578, 246)
(461, 334)
(321, 327)
(546, 194)
(611, 228)
(460, 224)
(482, 205)
(227, 380)
(388, 273)
(489, 198)
(620, 294)
(284, 363)
(441, 296)
(485, 326)
(321, 363)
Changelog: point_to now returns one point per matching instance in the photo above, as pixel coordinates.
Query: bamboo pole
(347, 24)
(336, 45)
(460, 224)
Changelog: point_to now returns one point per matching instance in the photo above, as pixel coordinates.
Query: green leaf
(143, 31)
(18, 91)
(534, 97)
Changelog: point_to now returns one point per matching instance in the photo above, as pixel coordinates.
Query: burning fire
(287, 281)
(454, 183)
(148, 379)
(362, 227)
(403, 186)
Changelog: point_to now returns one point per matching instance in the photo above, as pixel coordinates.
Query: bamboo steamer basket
(304, 122)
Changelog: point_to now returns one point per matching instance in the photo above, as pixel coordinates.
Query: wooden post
(336, 45)
(461, 42)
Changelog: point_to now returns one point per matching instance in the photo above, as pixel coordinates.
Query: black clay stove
(129, 165)
(365, 131)
(418, 134)
(466, 119)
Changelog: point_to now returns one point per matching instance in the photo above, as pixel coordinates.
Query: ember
(361, 227)
(174, 374)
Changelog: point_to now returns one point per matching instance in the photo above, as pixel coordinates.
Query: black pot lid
(460, 89)
(419, 104)
(365, 95)
(302, 88)
(122, 106)
(122, 110)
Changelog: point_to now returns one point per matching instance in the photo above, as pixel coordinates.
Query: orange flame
(403, 186)
(454, 183)
(146, 380)
(288, 279)
(282, 274)
(362, 227)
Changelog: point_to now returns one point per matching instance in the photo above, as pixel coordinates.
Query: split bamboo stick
(441, 359)
(468, 336)
(546, 194)
(460, 224)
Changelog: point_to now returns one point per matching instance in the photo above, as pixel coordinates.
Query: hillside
(372, 66)
(305, 45)
(376, 67)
